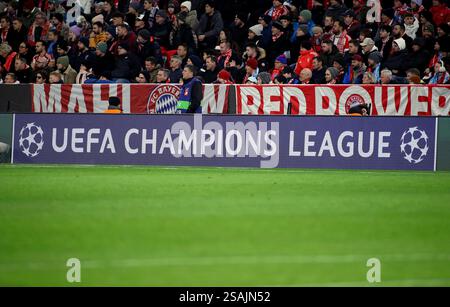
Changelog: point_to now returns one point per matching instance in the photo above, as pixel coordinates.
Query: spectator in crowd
(384, 43)
(151, 67)
(57, 23)
(374, 65)
(98, 35)
(329, 52)
(305, 76)
(39, 29)
(162, 75)
(55, 77)
(277, 10)
(126, 65)
(41, 77)
(289, 76)
(318, 72)
(440, 75)
(356, 71)
(397, 59)
(251, 69)
(412, 34)
(17, 35)
(254, 34)
(69, 75)
(369, 78)
(305, 60)
(42, 60)
(224, 77)
(6, 32)
(161, 29)
(191, 15)
(212, 70)
(176, 72)
(11, 78)
(150, 10)
(280, 63)
(264, 78)
(331, 75)
(210, 25)
(352, 24)
(8, 55)
(143, 77)
(23, 71)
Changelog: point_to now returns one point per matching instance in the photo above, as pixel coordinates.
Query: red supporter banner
(135, 98)
(397, 100)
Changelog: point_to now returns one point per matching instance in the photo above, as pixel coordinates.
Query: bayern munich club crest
(355, 98)
(163, 99)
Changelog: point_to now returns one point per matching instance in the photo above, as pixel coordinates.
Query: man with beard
(356, 71)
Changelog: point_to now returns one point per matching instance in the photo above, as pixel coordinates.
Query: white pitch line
(203, 169)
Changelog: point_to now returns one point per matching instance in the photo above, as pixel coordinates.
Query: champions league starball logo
(31, 140)
(414, 145)
(163, 99)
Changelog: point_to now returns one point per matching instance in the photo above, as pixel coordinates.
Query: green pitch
(222, 227)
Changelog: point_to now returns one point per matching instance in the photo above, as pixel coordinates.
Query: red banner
(135, 98)
(336, 99)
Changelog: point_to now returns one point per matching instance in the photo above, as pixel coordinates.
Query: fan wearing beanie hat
(251, 69)
(69, 74)
(256, 30)
(190, 15)
(224, 77)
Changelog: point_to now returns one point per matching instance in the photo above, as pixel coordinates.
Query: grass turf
(222, 227)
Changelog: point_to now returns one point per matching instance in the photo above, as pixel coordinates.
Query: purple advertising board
(400, 143)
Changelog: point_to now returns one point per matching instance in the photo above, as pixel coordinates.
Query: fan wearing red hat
(224, 77)
(356, 71)
(251, 69)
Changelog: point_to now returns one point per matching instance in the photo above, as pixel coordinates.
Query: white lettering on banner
(146, 141)
(100, 104)
(210, 104)
(325, 92)
(418, 104)
(382, 144)
(327, 144)
(167, 143)
(437, 94)
(80, 144)
(42, 103)
(76, 98)
(342, 152)
(290, 93)
(292, 151)
(361, 152)
(76, 140)
(251, 100)
(272, 100)
(309, 143)
(128, 148)
(345, 144)
(92, 140)
(54, 137)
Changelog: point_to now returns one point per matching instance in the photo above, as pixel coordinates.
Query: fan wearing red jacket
(306, 57)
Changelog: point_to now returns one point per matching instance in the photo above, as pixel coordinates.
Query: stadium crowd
(228, 41)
